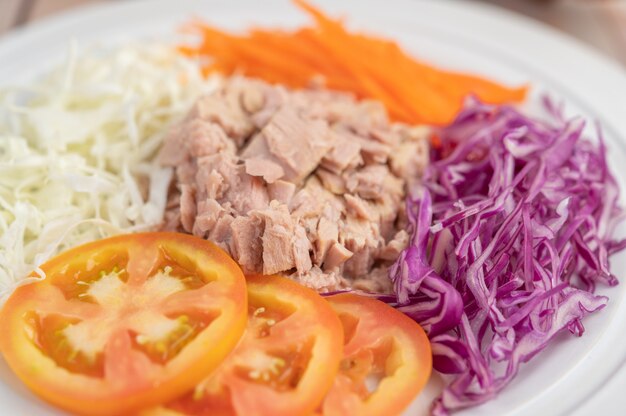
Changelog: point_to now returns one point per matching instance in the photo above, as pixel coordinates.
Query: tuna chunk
(252, 99)
(226, 178)
(171, 221)
(221, 232)
(327, 235)
(411, 157)
(393, 248)
(265, 168)
(321, 281)
(357, 207)
(301, 250)
(281, 191)
(374, 152)
(209, 212)
(368, 182)
(273, 98)
(245, 243)
(226, 113)
(362, 238)
(337, 255)
(331, 181)
(278, 238)
(296, 144)
(314, 199)
(343, 154)
(308, 183)
(187, 207)
(174, 150)
(376, 281)
(204, 139)
(185, 172)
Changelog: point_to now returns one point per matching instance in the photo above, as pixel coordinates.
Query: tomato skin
(309, 317)
(138, 382)
(377, 337)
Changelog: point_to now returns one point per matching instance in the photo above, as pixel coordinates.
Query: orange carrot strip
(366, 66)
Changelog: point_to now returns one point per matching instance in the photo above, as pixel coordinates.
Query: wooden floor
(601, 23)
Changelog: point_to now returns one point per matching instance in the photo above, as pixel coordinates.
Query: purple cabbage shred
(508, 242)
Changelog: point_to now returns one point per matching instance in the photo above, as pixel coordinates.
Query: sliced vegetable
(124, 323)
(77, 151)
(508, 244)
(370, 67)
(386, 363)
(286, 361)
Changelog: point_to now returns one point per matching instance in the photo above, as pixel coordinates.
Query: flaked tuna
(307, 183)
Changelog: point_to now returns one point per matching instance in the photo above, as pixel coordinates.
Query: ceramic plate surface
(573, 376)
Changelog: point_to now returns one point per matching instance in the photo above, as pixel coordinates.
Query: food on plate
(292, 359)
(124, 323)
(386, 361)
(368, 66)
(286, 361)
(507, 244)
(77, 151)
(308, 182)
(492, 232)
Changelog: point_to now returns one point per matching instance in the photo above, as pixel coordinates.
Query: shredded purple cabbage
(509, 241)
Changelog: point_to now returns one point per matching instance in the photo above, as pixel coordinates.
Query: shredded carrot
(369, 67)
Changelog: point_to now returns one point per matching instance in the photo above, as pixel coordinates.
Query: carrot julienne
(367, 66)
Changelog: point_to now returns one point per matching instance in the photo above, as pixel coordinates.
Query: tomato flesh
(286, 361)
(125, 323)
(387, 359)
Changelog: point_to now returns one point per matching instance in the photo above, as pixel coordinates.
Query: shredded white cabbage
(76, 150)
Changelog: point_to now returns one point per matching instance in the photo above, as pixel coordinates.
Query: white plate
(454, 34)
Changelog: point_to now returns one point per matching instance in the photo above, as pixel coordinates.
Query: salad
(306, 221)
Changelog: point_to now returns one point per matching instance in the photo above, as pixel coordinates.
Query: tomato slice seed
(125, 323)
(387, 359)
(285, 362)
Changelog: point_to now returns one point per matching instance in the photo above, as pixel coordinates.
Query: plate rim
(480, 14)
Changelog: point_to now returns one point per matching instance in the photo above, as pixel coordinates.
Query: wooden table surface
(601, 23)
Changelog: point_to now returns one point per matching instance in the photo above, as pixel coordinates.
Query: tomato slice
(286, 362)
(125, 323)
(387, 359)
